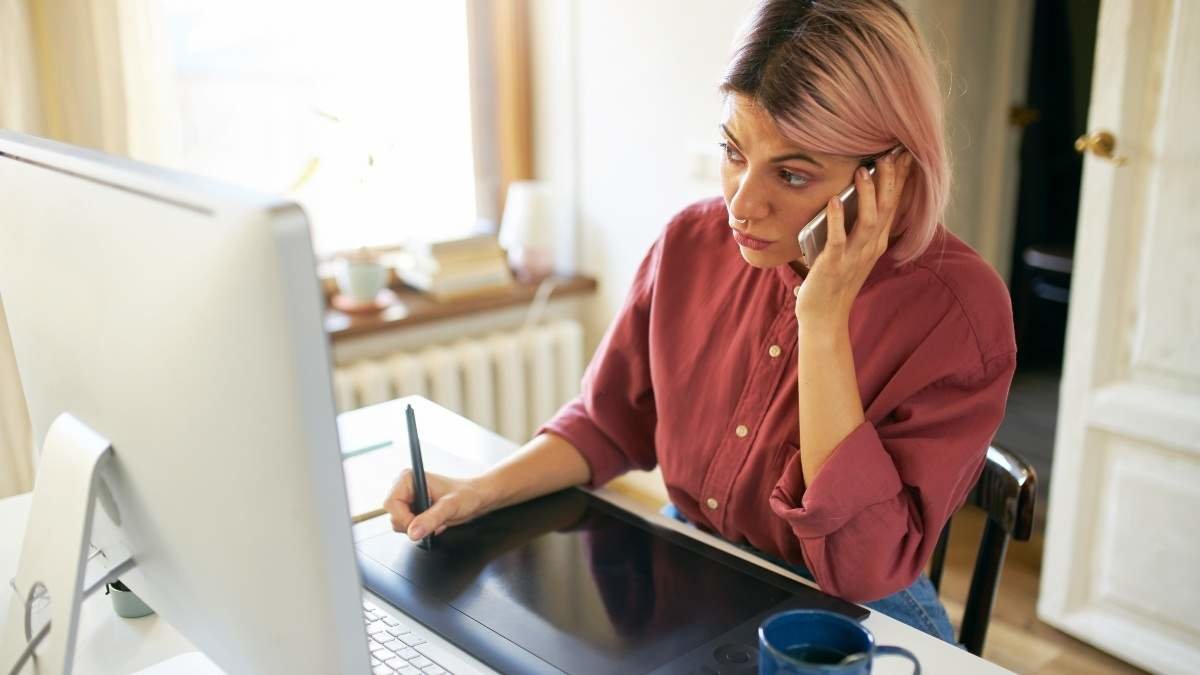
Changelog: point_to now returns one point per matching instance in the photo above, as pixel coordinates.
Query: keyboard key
(435, 669)
(411, 640)
(407, 653)
(421, 662)
(397, 631)
(376, 627)
(431, 652)
(394, 645)
(383, 670)
(396, 662)
(390, 621)
(409, 670)
(380, 653)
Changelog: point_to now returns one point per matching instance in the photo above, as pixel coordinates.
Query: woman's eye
(793, 179)
(730, 154)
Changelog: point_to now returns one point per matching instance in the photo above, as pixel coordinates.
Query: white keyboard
(395, 648)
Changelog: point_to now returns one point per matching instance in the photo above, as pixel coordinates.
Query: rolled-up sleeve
(870, 520)
(612, 422)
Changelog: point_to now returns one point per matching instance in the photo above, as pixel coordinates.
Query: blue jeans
(917, 605)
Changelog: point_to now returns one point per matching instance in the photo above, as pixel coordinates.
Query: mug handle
(888, 650)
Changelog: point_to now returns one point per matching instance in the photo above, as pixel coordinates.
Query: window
(358, 109)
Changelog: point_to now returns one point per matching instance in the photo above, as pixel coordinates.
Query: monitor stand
(54, 553)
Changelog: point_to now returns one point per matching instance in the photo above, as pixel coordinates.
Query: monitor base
(50, 583)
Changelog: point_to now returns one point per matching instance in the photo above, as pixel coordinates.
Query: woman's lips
(749, 242)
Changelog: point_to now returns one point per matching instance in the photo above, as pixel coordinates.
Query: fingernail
(417, 532)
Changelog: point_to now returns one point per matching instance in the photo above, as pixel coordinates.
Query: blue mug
(816, 642)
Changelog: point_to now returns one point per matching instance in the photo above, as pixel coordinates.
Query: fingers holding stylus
(454, 502)
(436, 518)
(399, 502)
(401, 507)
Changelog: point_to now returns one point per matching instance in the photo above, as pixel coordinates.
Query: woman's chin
(761, 259)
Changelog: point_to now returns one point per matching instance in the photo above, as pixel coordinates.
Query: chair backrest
(1007, 492)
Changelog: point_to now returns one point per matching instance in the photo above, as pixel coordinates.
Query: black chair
(1006, 491)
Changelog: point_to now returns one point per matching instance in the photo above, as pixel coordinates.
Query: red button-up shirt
(697, 374)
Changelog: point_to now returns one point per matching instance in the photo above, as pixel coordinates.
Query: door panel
(1122, 548)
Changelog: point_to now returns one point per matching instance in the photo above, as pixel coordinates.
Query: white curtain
(16, 442)
(94, 73)
(20, 110)
(104, 75)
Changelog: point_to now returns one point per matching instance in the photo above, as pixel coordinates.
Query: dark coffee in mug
(816, 654)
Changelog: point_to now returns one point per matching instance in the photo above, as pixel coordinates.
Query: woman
(831, 418)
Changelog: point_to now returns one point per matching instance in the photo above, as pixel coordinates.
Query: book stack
(457, 269)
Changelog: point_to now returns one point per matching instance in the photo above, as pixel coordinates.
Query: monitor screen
(578, 582)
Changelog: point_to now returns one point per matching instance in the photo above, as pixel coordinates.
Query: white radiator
(508, 382)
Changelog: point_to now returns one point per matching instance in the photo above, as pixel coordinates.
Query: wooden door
(1122, 556)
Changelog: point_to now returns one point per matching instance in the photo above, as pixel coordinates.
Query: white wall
(645, 78)
(982, 51)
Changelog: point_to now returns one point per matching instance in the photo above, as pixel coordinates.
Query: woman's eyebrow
(776, 160)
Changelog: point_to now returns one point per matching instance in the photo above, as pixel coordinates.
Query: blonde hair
(851, 78)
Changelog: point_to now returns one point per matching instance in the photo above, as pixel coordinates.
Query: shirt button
(774, 351)
(742, 431)
(712, 504)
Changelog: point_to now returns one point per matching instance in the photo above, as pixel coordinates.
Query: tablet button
(734, 653)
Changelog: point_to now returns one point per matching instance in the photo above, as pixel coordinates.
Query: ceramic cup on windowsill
(362, 283)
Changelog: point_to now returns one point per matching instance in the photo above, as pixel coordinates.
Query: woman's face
(773, 185)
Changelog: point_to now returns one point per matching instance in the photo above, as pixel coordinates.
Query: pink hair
(852, 78)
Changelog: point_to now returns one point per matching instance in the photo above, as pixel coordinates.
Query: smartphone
(813, 236)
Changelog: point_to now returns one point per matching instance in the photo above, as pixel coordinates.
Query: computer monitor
(181, 320)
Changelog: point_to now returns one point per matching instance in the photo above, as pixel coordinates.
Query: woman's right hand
(455, 502)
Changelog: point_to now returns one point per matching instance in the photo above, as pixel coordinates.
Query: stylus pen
(420, 489)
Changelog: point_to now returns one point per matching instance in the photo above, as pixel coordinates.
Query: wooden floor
(1016, 639)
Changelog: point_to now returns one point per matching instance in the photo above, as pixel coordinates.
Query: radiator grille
(508, 382)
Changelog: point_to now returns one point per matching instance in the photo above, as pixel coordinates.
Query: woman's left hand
(829, 289)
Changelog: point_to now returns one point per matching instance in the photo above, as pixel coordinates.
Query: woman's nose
(748, 202)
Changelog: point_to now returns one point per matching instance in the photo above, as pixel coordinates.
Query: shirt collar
(791, 279)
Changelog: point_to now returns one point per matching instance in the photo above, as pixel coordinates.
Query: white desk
(109, 645)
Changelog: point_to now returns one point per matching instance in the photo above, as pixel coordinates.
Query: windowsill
(415, 308)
